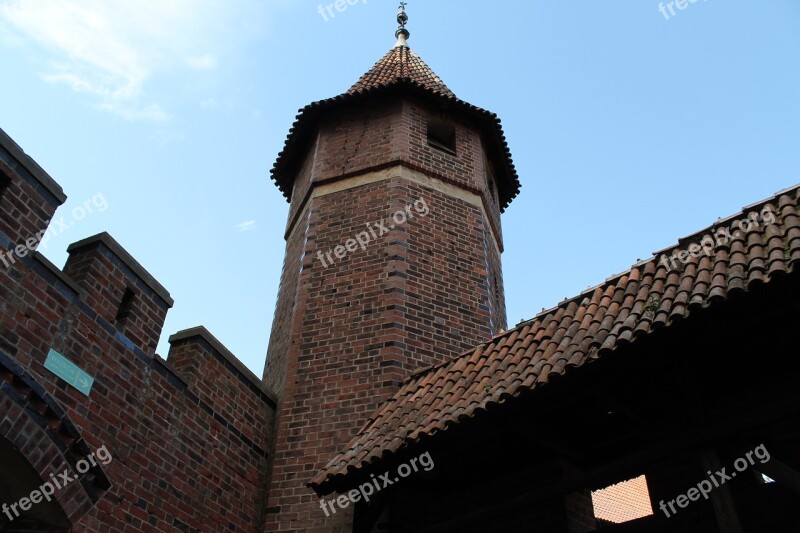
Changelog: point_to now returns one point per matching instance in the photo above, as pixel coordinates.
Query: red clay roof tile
(579, 330)
(401, 63)
(401, 71)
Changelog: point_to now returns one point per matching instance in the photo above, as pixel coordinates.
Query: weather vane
(402, 20)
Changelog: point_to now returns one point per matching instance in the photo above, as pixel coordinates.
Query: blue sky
(629, 128)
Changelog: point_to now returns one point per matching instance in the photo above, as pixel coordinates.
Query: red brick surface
(188, 443)
(346, 335)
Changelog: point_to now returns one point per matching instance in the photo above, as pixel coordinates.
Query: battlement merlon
(106, 278)
(119, 289)
(24, 184)
(205, 363)
(13, 155)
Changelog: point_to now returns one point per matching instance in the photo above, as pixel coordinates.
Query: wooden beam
(721, 497)
(626, 410)
(773, 468)
(551, 440)
(782, 473)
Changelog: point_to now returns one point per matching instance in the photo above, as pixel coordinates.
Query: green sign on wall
(69, 372)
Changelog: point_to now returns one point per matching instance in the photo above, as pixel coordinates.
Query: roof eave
(341, 471)
(301, 134)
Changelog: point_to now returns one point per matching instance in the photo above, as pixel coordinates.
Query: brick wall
(351, 329)
(285, 307)
(189, 441)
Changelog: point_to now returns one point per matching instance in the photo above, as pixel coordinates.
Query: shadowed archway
(38, 442)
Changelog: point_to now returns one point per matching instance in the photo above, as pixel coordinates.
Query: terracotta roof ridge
(680, 244)
(682, 241)
(544, 313)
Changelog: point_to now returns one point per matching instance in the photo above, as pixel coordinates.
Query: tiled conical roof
(399, 72)
(401, 63)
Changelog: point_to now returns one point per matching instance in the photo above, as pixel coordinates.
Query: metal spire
(402, 33)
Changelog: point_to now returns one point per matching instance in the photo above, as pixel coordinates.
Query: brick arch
(37, 439)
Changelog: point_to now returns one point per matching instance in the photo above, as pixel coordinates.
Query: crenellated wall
(188, 436)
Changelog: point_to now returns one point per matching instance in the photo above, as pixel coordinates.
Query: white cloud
(246, 226)
(7, 36)
(113, 49)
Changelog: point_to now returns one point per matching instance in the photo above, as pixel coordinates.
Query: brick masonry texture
(188, 436)
(198, 442)
(427, 291)
(390, 132)
(306, 131)
(394, 345)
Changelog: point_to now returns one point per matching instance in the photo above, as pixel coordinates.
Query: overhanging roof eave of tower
(578, 331)
(302, 131)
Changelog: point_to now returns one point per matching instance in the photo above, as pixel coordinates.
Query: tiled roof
(650, 295)
(400, 72)
(304, 128)
(401, 63)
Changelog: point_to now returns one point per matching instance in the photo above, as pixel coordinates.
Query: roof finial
(402, 33)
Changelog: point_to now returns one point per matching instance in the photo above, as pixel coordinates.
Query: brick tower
(392, 262)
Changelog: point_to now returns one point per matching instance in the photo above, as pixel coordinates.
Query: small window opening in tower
(491, 188)
(623, 502)
(442, 134)
(5, 183)
(126, 307)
